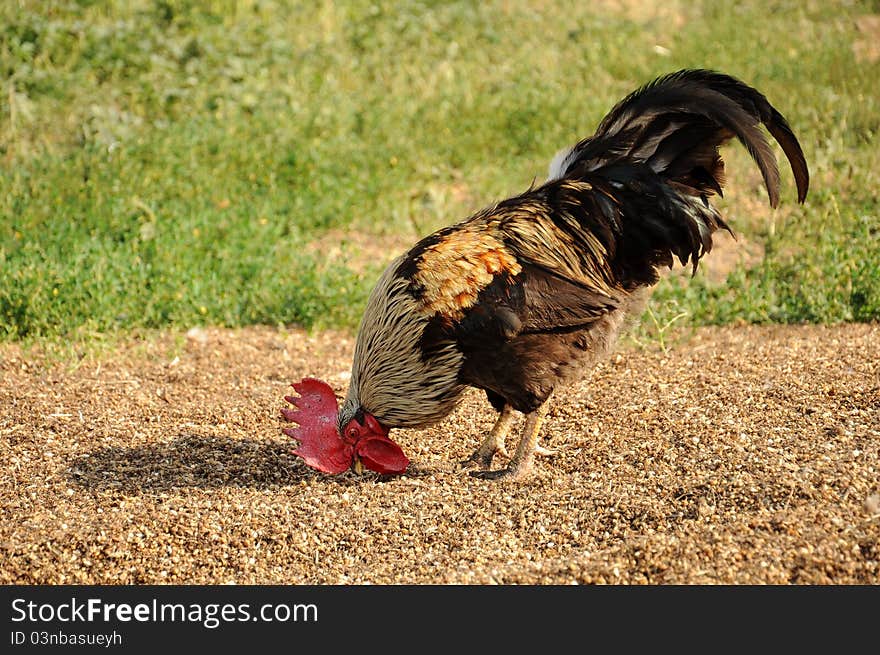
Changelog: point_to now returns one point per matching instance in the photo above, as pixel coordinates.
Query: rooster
(527, 296)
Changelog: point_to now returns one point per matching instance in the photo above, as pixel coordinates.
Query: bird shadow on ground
(202, 462)
(206, 462)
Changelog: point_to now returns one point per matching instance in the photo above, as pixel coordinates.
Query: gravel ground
(742, 455)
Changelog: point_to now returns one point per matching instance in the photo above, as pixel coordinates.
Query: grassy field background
(166, 164)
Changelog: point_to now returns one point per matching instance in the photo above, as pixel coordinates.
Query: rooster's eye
(353, 433)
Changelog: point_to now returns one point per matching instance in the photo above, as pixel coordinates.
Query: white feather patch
(560, 163)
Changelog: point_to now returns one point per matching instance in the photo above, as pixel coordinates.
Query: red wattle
(382, 455)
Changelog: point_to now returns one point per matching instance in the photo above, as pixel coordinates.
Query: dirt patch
(728, 254)
(867, 48)
(358, 250)
(747, 455)
(674, 12)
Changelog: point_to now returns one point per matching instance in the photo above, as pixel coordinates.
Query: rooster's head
(334, 443)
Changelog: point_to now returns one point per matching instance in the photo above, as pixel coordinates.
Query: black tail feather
(677, 123)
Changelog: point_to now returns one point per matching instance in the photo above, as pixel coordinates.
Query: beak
(357, 465)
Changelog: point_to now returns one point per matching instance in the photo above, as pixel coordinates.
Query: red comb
(319, 442)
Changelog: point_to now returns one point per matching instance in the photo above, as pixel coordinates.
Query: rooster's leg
(521, 464)
(493, 443)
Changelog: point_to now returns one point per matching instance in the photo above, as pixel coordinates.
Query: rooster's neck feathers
(389, 373)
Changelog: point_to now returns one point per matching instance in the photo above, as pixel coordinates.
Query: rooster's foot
(520, 465)
(513, 474)
(493, 444)
(483, 457)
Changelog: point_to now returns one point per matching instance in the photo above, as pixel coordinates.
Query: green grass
(168, 163)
